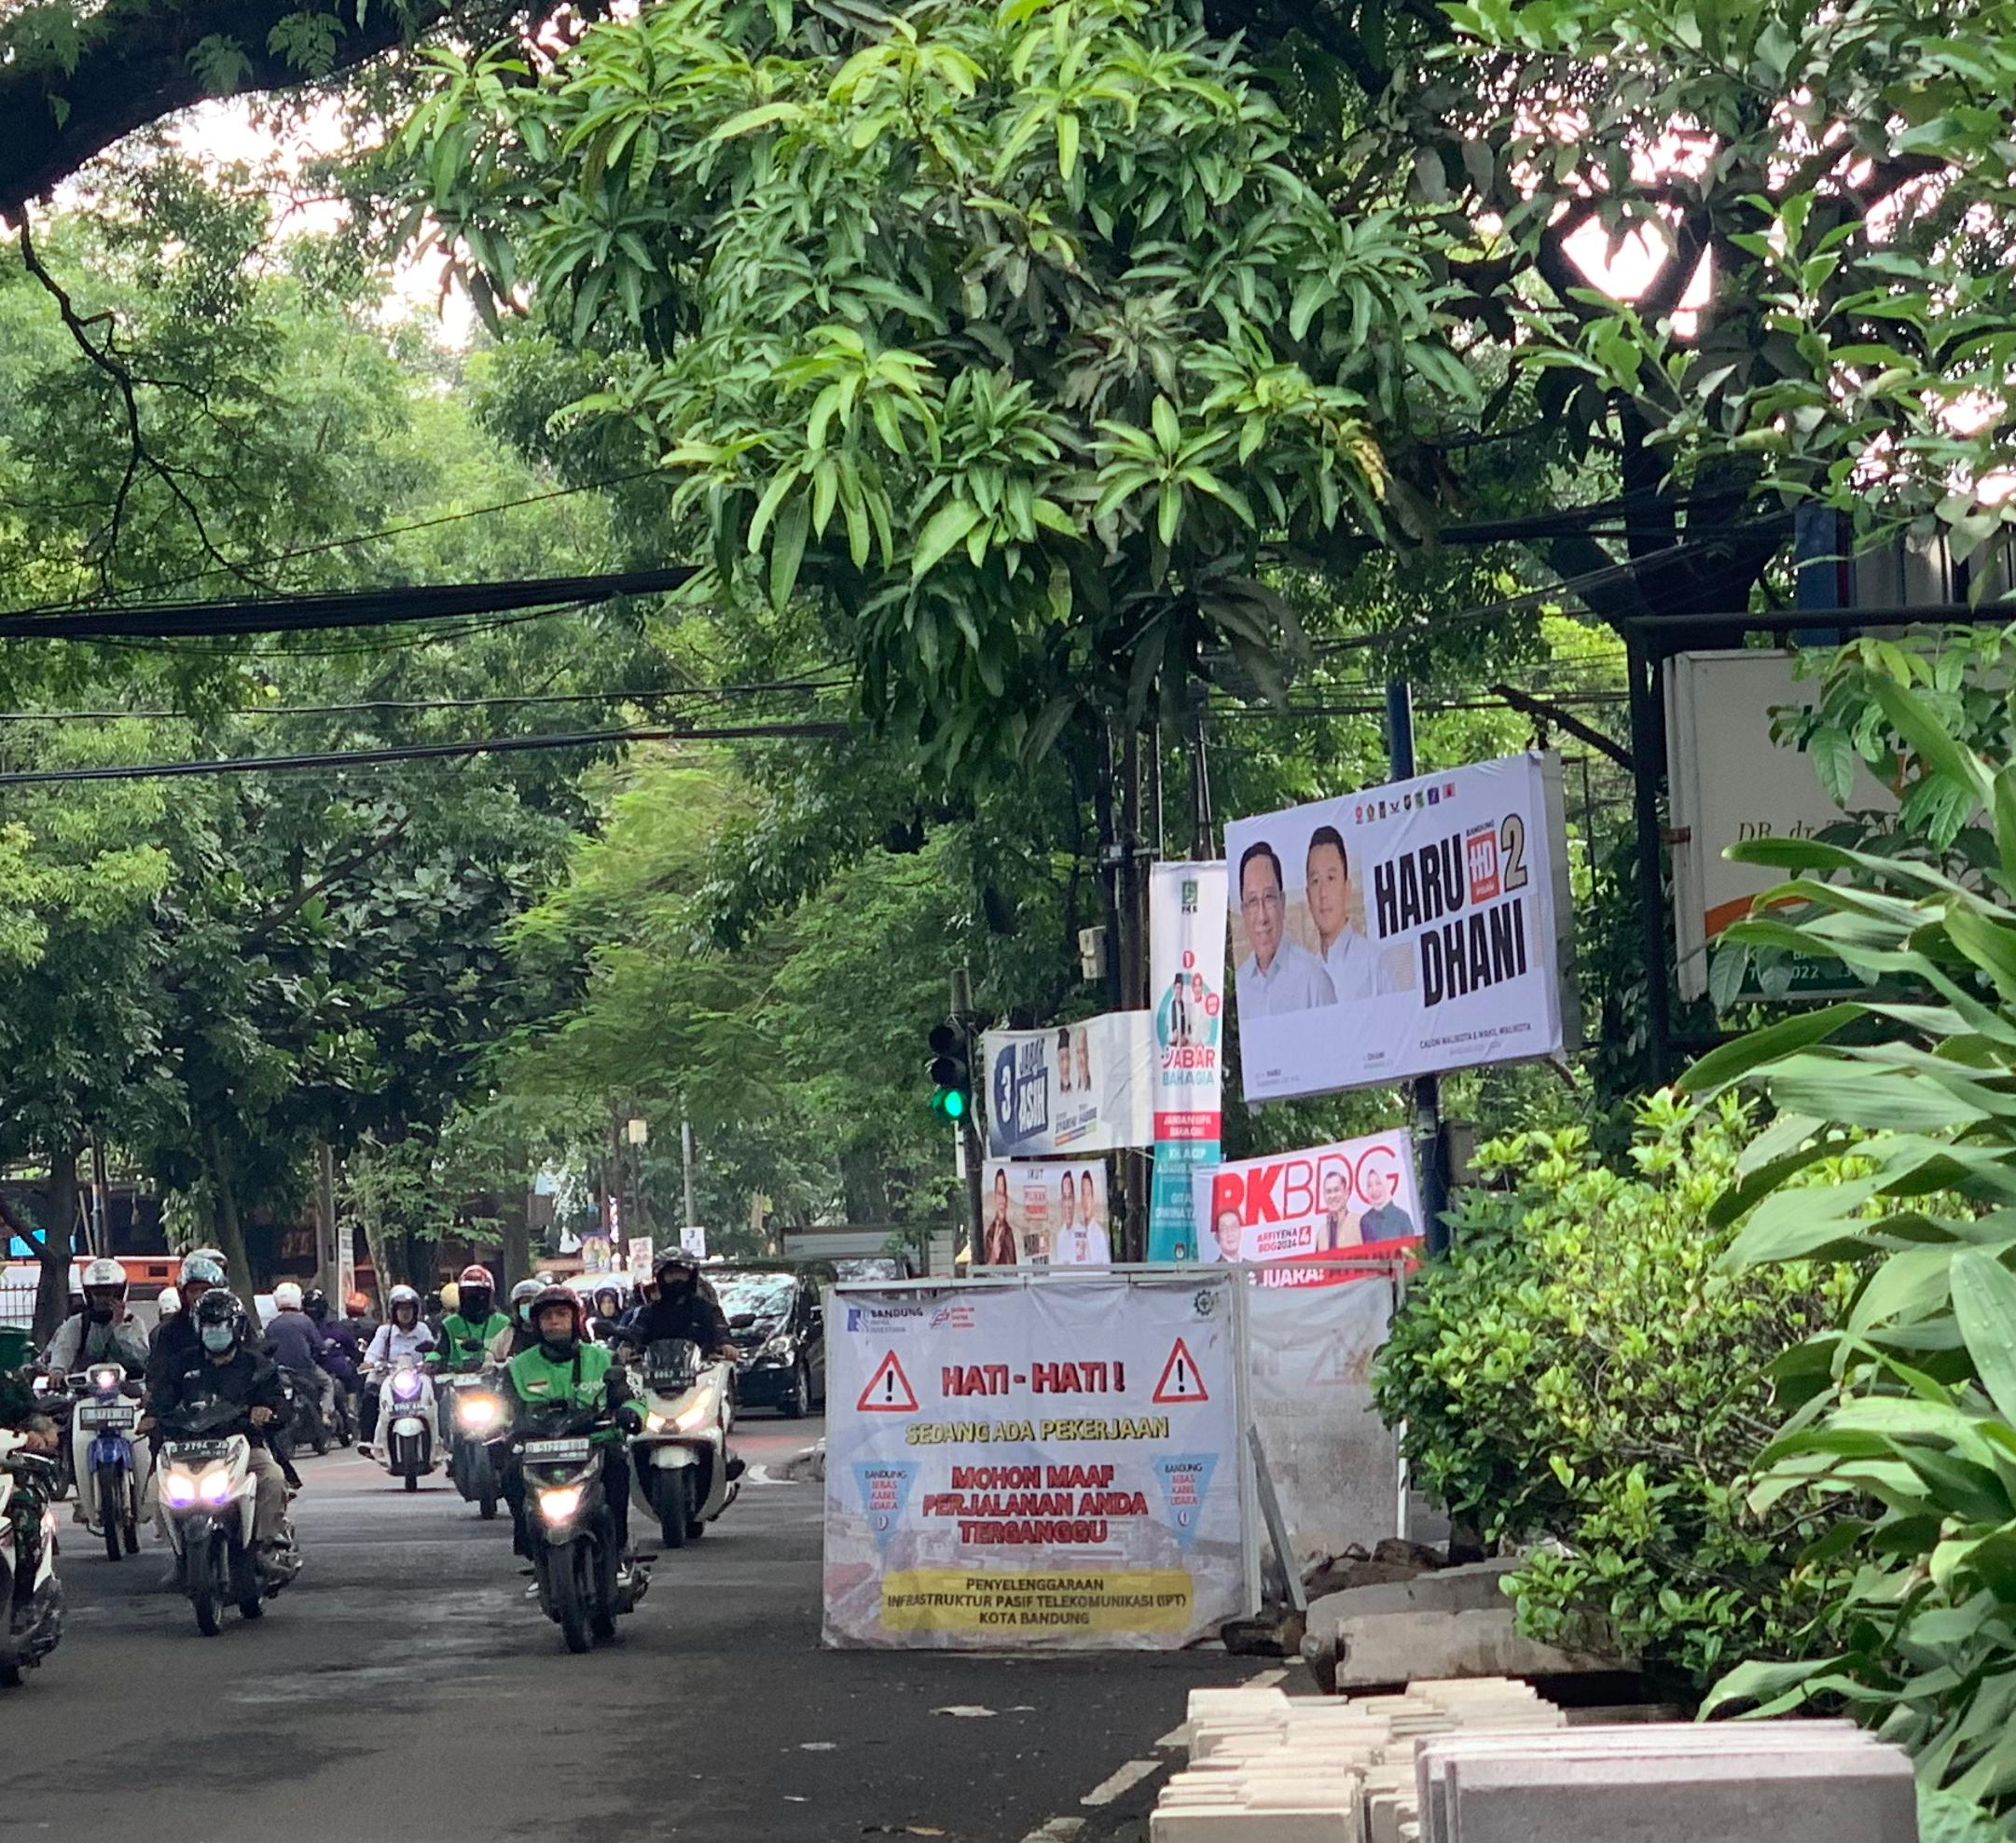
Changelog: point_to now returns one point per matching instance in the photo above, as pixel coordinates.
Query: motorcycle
(210, 1500)
(406, 1413)
(52, 1398)
(31, 1596)
(305, 1424)
(679, 1463)
(112, 1476)
(473, 1415)
(583, 1583)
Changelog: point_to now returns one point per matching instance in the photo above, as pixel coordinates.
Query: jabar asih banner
(1071, 1088)
(1044, 1466)
(1356, 1197)
(1402, 930)
(1186, 991)
(1047, 1212)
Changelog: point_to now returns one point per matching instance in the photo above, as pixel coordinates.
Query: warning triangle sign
(1180, 1381)
(888, 1390)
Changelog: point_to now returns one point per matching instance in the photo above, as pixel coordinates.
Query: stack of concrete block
(1489, 1761)
(1265, 1768)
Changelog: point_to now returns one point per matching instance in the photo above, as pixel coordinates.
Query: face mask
(218, 1338)
(100, 1314)
(561, 1349)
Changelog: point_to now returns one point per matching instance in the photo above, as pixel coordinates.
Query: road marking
(1176, 1737)
(1130, 1776)
(1058, 1830)
(1266, 1679)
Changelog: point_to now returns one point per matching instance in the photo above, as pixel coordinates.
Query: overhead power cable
(485, 745)
(352, 608)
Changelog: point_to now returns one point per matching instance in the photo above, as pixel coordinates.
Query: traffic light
(951, 1072)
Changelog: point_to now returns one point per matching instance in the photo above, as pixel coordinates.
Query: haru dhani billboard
(1402, 930)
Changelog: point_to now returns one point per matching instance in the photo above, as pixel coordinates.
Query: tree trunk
(230, 1228)
(59, 1233)
(515, 1250)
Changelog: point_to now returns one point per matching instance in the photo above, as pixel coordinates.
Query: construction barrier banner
(1051, 1466)
(1186, 991)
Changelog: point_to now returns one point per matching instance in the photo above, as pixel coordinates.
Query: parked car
(778, 1321)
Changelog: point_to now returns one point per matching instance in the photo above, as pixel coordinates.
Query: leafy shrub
(1583, 1369)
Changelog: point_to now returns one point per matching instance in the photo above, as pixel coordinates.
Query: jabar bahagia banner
(1402, 930)
(1051, 1212)
(1354, 1198)
(1071, 1088)
(1186, 991)
(1043, 1466)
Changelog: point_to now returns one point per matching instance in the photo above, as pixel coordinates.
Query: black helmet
(674, 1258)
(315, 1303)
(549, 1296)
(219, 1309)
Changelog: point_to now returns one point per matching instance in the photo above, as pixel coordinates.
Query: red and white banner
(1311, 1213)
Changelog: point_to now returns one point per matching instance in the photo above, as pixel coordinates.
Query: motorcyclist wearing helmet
(518, 1335)
(342, 1343)
(175, 1337)
(607, 1313)
(404, 1334)
(103, 1332)
(468, 1331)
(167, 1303)
(227, 1367)
(295, 1342)
(563, 1367)
(684, 1309)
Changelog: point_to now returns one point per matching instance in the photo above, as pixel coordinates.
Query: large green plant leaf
(1984, 1303)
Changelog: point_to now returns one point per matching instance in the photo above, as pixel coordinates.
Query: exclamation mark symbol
(1183, 1375)
(888, 1384)
(1120, 1377)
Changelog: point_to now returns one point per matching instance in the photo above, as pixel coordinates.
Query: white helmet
(104, 1275)
(287, 1297)
(211, 1254)
(168, 1302)
(402, 1295)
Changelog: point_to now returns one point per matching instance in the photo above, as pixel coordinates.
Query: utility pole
(972, 1142)
(685, 1168)
(101, 1229)
(1431, 1145)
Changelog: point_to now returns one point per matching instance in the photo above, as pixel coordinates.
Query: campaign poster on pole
(1403, 929)
(1071, 1088)
(1052, 1214)
(1354, 1199)
(1043, 1466)
(1186, 991)
(640, 1248)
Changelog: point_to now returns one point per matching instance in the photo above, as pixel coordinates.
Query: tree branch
(1562, 719)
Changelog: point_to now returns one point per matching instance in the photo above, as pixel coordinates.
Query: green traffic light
(954, 1104)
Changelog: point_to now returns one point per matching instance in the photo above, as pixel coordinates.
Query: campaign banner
(1354, 1197)
(1402, 930)
(1049, 1215)
(1186, 989)
(1075, 1088)
(1041, 1467)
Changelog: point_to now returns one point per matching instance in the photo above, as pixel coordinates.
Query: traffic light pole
(969, 1122)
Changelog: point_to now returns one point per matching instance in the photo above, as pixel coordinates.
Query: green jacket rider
(466, 1332)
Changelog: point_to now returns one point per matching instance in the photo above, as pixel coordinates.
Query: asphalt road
(403, 1687)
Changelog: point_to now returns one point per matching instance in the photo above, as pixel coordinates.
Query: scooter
(680, 1462)
(31, 1596)
(305, 1424)
(406, 1416)
(583, 1582)
(473, 1415)
(210, 1500)
(112, 1471)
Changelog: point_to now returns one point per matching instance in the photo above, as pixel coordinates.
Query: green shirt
(464, 1344)
(533, 1379)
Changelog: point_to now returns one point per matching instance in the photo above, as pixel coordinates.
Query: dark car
(775, 1317)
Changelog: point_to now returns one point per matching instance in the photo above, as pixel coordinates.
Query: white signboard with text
(1043, 1466)
(1072, 1089)
(1353, 1198)
(1731, 781)
(1402, 930)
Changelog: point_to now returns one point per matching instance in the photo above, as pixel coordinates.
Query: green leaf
(1984, 1306)
(1731, 1061)
(948, 526)
(749, 121)
(787, 549)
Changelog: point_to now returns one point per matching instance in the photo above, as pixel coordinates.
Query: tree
(1013, 335)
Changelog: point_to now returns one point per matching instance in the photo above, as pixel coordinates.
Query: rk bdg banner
(1402, 931)
(1043, 1466)
(1354, 1199)
(1077, 1088)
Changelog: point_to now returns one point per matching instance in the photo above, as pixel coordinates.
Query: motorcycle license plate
(197, 1452)
(107, 1414)
(555, 1451)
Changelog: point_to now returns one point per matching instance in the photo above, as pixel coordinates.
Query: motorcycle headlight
(105, 1379)
(179, 1488)
(477, 1413)
(656, 1422)
(406, 1385)
(213, 1486)
(698, 1414)
(559, 1504)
